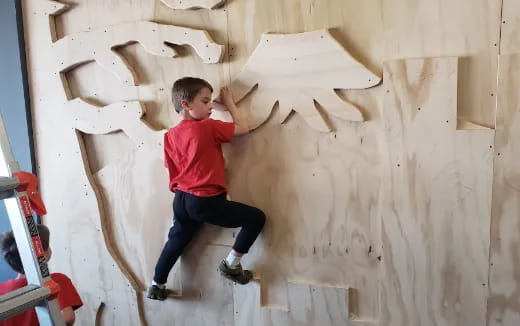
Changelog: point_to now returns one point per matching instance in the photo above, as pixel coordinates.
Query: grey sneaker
(236, 274)
(157, 293)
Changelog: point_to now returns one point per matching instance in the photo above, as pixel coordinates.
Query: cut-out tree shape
(144, 164)
(301, 72)
(193, 4)
(100, 45)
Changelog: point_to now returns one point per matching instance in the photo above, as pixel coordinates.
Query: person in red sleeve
(193, 157)
(68, 298)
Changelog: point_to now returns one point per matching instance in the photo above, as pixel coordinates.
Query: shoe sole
(153, 297)
(231, 278)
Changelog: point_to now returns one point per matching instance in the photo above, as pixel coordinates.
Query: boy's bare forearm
(239, 118)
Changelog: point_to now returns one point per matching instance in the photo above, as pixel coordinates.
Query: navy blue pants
(191, 212)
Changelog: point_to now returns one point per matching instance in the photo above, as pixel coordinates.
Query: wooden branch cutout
(120, 116)
(298, 70)
(100, 45)
(193, 4)
(54, 8)
(51, 9)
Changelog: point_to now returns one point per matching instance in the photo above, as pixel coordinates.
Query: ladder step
(22, 299)
(22, 223)
(7, 187)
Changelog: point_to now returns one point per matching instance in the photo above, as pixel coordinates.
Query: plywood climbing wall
(378, 193)
(436, 200)
(503, 304)
(503, 307)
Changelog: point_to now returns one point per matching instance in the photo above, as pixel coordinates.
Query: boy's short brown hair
(10, 249)
(185, 89)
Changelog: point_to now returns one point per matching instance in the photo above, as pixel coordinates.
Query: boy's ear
(185, 105)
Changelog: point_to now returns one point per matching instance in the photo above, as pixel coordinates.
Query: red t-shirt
(193, 156)
(67, 297)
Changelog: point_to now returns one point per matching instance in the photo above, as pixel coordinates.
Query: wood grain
(412, 240)
(207, 297)
(309, 305)
(193, 4)
(300, 73)
(467, 29)
(437, 199)
(100, 45)
(504, 275)
(509, 38)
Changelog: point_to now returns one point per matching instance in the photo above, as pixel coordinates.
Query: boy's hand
(226, 97)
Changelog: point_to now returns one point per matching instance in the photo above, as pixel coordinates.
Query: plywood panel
(510, 24)
(100, 45)
(133, 219)
(437, 199)
(193, 4)
(207, 297)
(504, 303)
(297, 69)
(322, 192)
(469, 29)
(78, 243)
(360, 33)
(156, 74)
(324, 229)
(308, 305)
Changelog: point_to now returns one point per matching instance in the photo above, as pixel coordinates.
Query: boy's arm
(168, 162)
(239, 118)
(68, 298)
(68, 315)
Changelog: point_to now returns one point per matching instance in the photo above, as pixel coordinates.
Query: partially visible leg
(219, 211)
(233, 214)
(233, 258)
(252, 225)
(180, 234)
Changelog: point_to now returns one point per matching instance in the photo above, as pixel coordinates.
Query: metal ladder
(41, 291)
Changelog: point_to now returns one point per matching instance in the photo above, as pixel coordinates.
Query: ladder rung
(7, 187)
(8, 183)
(22, 299)
(22, 224)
